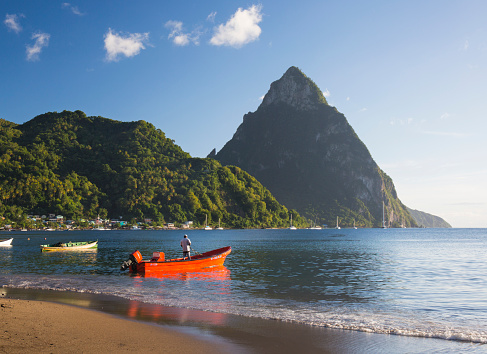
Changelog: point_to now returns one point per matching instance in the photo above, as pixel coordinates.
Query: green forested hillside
(427, 220)
(78, 166)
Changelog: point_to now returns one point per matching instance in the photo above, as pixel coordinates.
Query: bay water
(429, 283)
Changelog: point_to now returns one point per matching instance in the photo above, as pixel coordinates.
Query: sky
(410, 76)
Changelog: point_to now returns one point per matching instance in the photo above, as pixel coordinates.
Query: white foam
(180, 294)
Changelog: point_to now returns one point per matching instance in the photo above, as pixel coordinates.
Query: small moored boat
(70, 246)
(292, 227)
(207, 227)
(157, 263)
(6, 242)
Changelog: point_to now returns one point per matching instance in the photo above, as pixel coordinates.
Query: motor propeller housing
(134, 258)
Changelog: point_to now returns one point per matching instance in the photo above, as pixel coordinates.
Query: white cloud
(466, 45)
(179, 37)
(12, 22)
(74, 9)
(240, 29)
(448, 134)
(348, 98)
(445, 116)
(175, 26)
(399, 121)
(41, 41)
(326, 93)
(129, 45)
(211, 17)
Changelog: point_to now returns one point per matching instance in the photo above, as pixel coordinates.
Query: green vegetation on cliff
(427, 220)
(78, 166)
(307, 154)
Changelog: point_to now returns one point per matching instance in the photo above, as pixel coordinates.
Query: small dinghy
(6, 242)
(70, 246)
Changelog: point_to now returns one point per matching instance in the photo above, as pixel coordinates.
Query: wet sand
(63, 322)
(45, 327)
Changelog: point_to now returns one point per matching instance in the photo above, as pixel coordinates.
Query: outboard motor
(134, 258)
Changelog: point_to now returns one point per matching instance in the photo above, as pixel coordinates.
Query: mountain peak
(295, 89)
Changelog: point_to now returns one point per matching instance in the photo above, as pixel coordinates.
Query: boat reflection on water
(151, 312)
(216, 278)
(88, 255)
(6, 256)
(218, 273)
(80, 261)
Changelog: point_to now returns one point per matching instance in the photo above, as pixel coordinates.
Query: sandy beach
(66, 322)
(44, 327)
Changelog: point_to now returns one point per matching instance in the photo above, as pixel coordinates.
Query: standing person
(185, 244)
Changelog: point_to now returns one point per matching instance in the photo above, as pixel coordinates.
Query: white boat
(354, 224)
(315, 227)
(219, 227)
(292, 227)
(207, 227)
(383, 217)
(6, 242)
(337, 227)
(71, 246)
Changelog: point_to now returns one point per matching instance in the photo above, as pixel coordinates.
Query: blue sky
(410, 76)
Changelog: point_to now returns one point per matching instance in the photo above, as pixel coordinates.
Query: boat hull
(71, 246)
(6, 242)
(207, 260)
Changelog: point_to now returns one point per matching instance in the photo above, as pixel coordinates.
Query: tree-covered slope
(427, 220)
(68, 163)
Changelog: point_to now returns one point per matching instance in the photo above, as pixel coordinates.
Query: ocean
(426, 283)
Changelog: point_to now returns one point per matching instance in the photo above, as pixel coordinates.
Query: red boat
(214, 274)
(158, 264)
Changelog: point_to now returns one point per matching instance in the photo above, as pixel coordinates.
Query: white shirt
(185, 243)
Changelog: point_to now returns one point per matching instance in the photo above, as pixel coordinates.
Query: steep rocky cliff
(305, 152)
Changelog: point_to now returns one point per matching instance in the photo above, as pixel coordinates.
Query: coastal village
(53, 222)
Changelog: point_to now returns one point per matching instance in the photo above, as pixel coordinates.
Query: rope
(195, 251)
